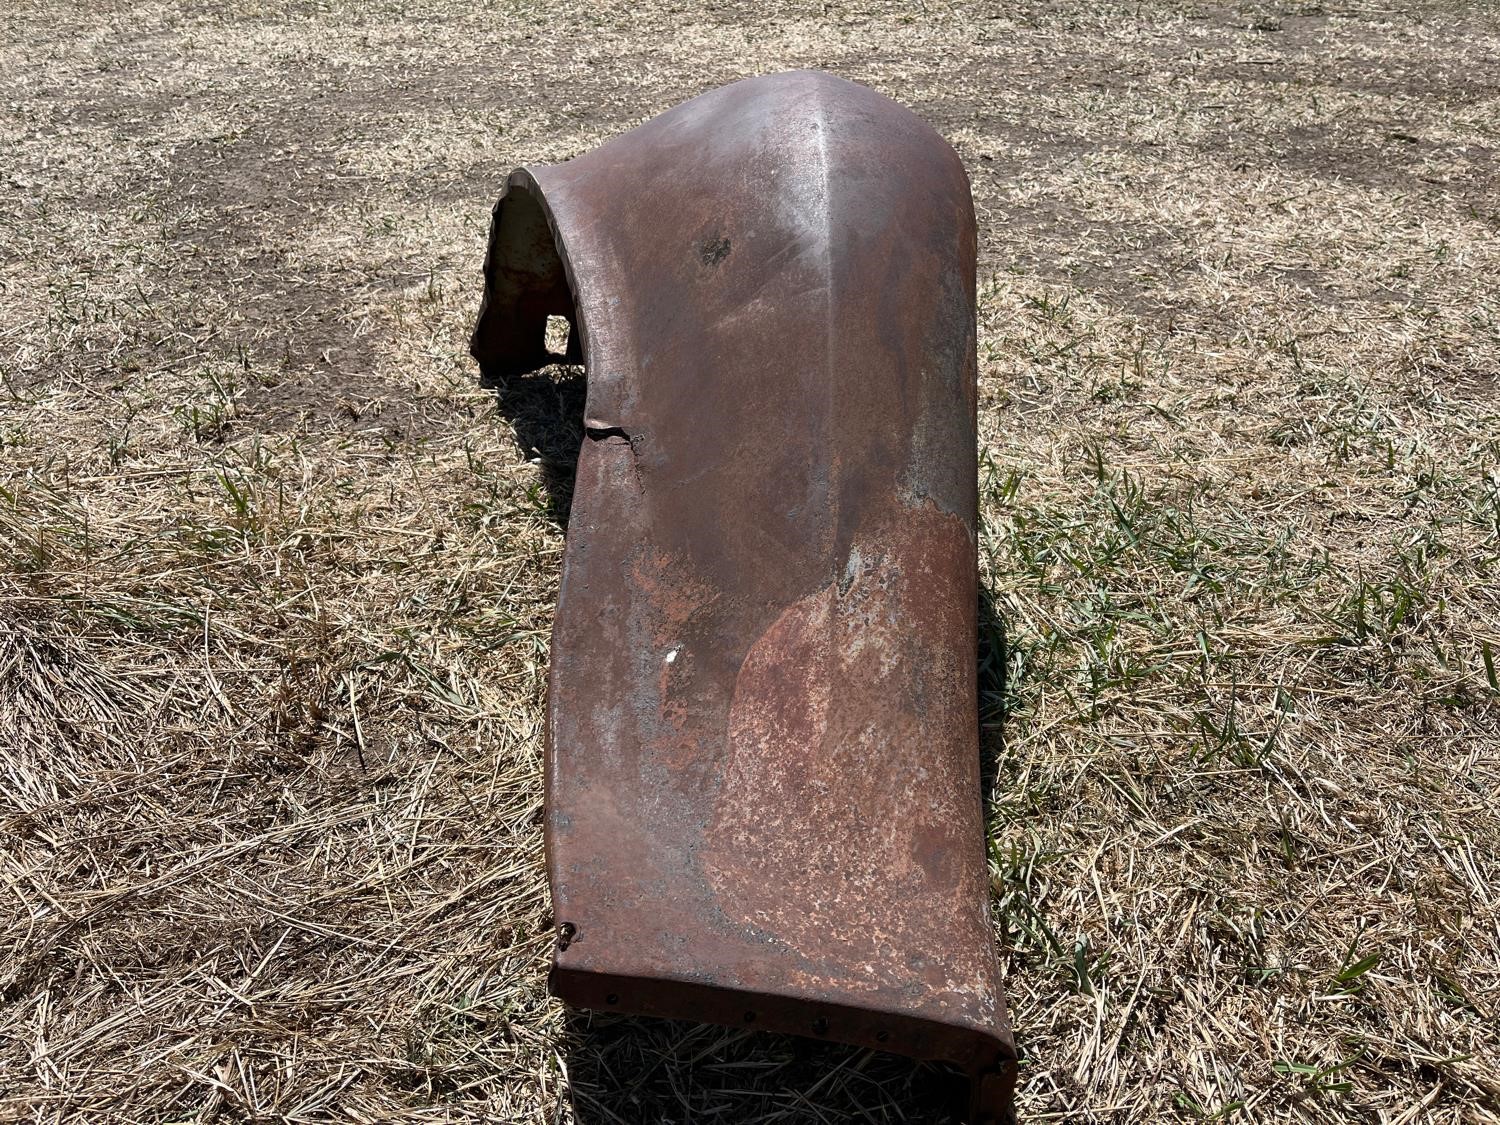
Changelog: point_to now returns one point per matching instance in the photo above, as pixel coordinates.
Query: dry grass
(276, 575)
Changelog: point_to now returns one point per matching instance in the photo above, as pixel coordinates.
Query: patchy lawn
(276, 574)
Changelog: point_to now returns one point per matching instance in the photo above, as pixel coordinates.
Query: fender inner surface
(762, 764)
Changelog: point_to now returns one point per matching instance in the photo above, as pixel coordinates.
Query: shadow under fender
(762, 771)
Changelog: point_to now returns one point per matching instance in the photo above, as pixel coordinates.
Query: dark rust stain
(713, 251)
(762, 740)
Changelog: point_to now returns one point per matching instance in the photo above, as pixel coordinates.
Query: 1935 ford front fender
(762, 749)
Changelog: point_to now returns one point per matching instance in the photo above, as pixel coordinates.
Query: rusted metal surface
(762, 748)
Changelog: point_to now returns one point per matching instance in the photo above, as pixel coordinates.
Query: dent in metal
(762, 747)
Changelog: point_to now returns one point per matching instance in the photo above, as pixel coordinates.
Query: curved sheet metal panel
(762, 750)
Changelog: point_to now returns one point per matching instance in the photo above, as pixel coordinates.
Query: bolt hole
(749, 1017)
(820, 1026)
(611, 999)
(882, 1036)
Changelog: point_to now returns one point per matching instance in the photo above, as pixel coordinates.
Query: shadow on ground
(633, 1070)
(545, 408)
(992, 657)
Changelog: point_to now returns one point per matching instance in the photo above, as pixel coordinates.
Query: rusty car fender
(763, 790)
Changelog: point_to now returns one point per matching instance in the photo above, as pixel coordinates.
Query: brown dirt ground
(276, 573)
